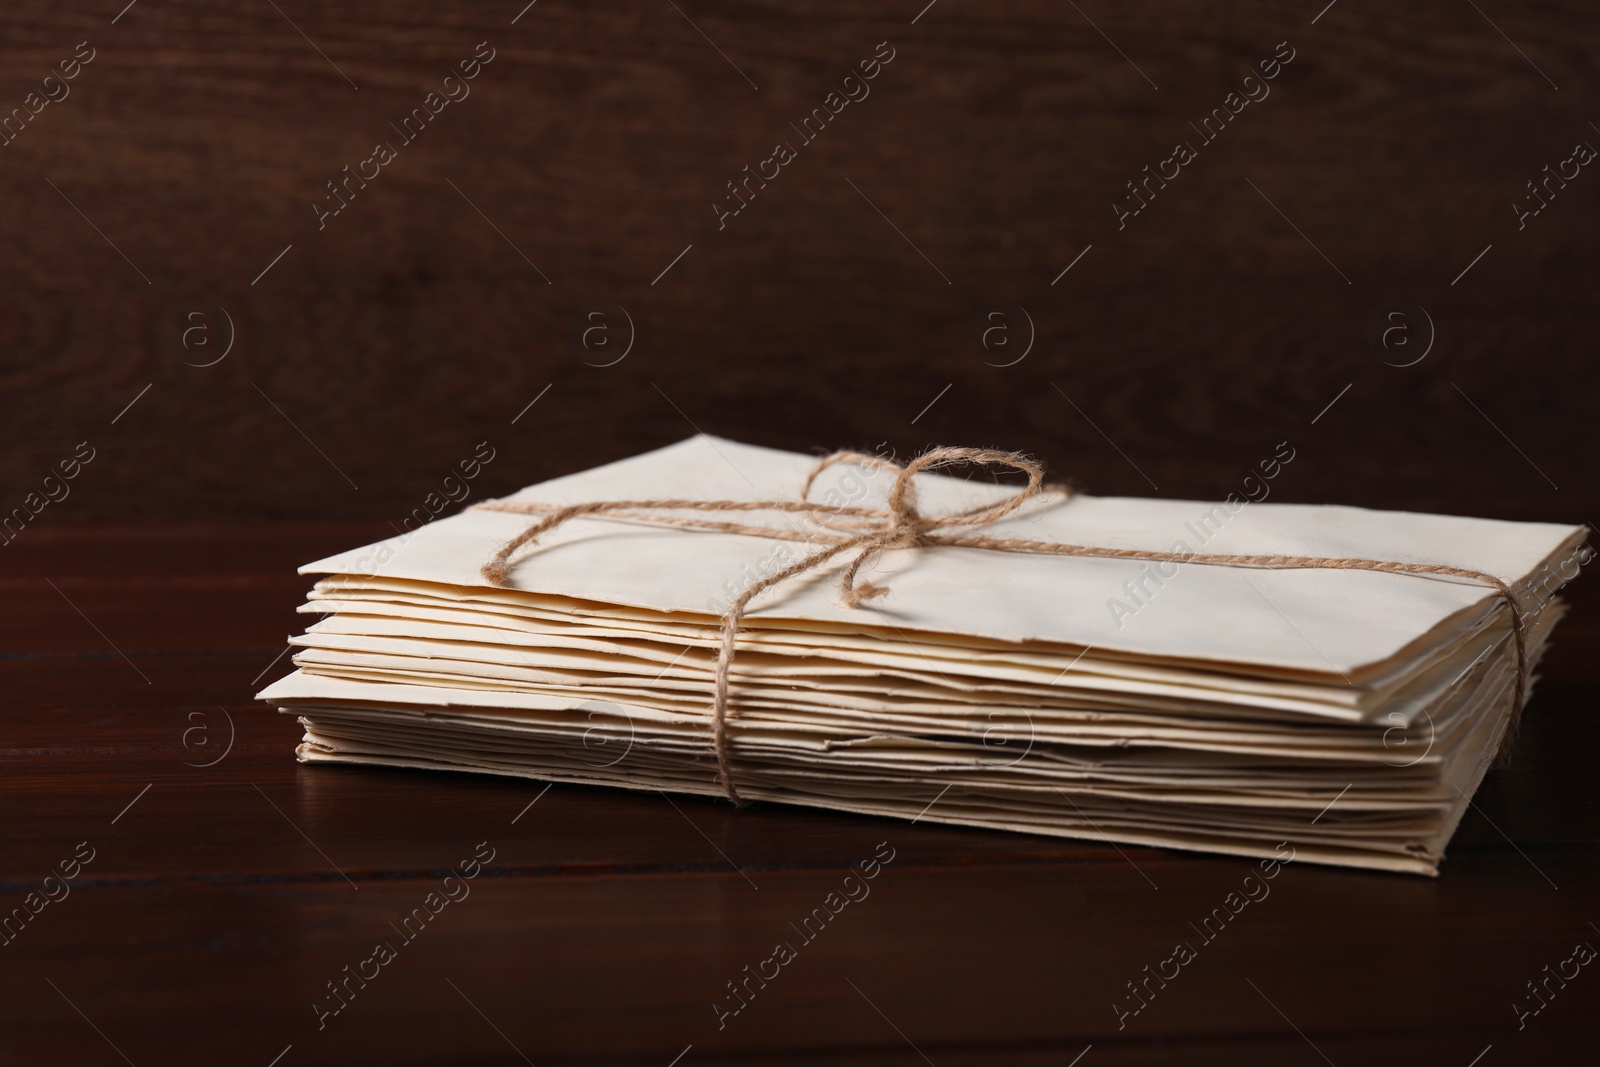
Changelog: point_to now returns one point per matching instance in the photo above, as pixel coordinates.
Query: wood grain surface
(382, 347)
(260, 384)
(229, 884)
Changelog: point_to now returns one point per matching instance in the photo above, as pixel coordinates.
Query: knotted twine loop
(869, 532)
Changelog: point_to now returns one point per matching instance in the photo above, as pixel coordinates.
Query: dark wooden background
(837, 309)
(408, 329)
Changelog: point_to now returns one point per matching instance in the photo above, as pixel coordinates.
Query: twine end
(865, 591)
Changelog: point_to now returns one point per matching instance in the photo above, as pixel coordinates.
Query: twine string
(868, 532)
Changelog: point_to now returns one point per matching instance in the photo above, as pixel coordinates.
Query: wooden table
(229, 885)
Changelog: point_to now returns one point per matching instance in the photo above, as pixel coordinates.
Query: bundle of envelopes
(1225, 709)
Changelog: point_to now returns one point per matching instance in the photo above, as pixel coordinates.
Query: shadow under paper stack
(1350, 713)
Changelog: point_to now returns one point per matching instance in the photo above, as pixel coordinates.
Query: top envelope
(1297, 622)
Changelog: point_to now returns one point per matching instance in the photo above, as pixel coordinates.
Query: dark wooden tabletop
(229, 885)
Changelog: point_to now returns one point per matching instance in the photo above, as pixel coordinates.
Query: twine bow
(869, 532)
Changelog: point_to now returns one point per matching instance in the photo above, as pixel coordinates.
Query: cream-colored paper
(1316, 621)
(1349, 712)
